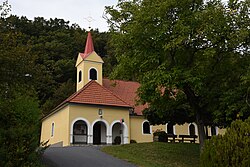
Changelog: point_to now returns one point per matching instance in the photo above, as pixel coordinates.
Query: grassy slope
(157, 154)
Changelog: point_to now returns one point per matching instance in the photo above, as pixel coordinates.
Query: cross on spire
(89, 19)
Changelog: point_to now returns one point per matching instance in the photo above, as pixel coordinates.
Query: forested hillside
(46, 51)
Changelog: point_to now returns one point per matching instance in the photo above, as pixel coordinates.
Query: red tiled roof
(89, 47)
(126, 90)
(94, 93)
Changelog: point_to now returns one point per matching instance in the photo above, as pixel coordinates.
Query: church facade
(102, 111)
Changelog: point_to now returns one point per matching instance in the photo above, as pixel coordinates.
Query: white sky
(70, 10)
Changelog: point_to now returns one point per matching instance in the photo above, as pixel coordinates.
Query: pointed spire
(89, 45)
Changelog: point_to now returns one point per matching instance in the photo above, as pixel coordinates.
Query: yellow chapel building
(103, 111)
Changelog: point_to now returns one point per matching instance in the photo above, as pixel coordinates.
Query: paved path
(85, 156)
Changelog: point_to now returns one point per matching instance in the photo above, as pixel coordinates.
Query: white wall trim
(150, 128)
(78, 76)
(72, 126)
(97, 74)
(216, 130)
(107, 130)
(125, 130)
(52, 130)
(101, 120)
(167, 129)
(195, 126)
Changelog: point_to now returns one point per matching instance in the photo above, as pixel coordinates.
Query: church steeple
(89, 47)
(89, 65)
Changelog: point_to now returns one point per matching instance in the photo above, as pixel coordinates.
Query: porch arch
(72, 128)
(107, 130)
(195, 128)
(125, 131)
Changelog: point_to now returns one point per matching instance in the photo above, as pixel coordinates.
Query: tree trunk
(201, 130)
(193, 100)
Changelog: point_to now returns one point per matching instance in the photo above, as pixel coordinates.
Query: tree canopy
(52, 46)
(37, 73)
(191, 58)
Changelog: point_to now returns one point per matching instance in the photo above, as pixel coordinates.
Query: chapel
(102, 111)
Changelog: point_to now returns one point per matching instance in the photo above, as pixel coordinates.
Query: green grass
(157, 154)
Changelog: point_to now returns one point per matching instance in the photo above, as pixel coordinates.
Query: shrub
(118, 140)
(19, 131)
(231, 149)
(132, 141)
(162, 136)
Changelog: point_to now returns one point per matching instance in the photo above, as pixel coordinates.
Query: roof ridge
(113, 94)
(121, 80)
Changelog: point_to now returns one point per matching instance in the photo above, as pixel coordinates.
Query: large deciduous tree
(19, 112)
(191, 58)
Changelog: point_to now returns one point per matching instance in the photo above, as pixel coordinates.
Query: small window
(191, 130)
(170, 128)
(52, 129)
(80, 76)
(146, 128)
(93, 74)
(213, 131)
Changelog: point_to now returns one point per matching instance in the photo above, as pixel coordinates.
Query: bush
(19, 131)
(132, 141)
(162, 136)
(118, 140)
(231, 149)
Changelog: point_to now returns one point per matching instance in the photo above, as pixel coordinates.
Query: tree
(230, 149)
(19, 132)
(53, 46)
(189, 56)
(19, 112)
(5, 8)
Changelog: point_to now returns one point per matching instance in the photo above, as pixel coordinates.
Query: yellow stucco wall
(65, 117)
(90, 112)
(92, 61)
(221, 131)
(109, 117)
(136, 131)
(61, 127)
(184, 130)
(158, 128)
(79, 60)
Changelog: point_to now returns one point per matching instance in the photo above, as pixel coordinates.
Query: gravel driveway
(81, 156)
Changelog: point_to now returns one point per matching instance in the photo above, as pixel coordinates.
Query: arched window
(92, 74)
(146, 128)
(52, 129)
(170, 128)
(191, 129)
(213, 130)
(80, 76)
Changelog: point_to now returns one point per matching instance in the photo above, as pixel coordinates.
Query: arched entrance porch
(99, 133)
(80, 132)
(119, 133)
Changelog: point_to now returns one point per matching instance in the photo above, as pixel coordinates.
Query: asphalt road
(81, 156)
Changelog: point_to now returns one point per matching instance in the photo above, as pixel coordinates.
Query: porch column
(109, 139)
(125, 139)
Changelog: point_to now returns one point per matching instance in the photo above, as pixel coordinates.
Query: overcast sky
(70, 10)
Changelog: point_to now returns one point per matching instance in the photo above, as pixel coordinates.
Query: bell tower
(88, 65)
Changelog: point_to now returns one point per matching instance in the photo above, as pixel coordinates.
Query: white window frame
(196, 128)
(96, 73)
(167, 128)
(52, 129)
(150, 128)
(81, 76)
(216, 130)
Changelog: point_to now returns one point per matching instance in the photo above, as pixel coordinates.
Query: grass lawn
(157, 154)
